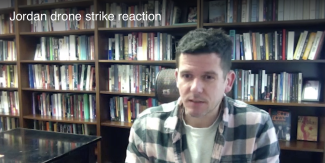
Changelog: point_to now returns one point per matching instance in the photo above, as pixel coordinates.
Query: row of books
(148, 13)
(9, 102)
(8, 50)
(231, 11)
(62, 77)
(278, 45)
(83, 129)
(6, 26)
(282, 86)
(7, 3)
(64, 105)
(62, 19)
(8, 76)
(127, 109)
(8, 123)
(72, 47)
(307, 126)
(141, 46)
(132, 78)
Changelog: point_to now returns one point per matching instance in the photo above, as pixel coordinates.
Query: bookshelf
(99, 95)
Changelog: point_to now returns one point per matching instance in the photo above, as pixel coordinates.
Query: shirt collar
(173, 123)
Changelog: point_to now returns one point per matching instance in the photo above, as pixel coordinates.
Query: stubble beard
(203, 114)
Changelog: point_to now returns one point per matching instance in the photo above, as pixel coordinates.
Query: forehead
(199, 62)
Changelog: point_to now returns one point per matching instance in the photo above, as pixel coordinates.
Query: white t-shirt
(200, 142)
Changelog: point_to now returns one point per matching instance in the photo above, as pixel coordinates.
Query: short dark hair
(204, 40)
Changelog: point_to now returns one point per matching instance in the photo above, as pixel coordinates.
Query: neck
(203, 121)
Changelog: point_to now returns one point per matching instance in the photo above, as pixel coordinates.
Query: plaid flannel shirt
(246, 134)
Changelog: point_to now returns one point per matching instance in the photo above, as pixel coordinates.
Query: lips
(196, 101)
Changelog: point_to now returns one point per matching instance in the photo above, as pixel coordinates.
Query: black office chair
(166, 89)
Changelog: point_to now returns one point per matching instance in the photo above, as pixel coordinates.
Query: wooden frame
(311, 88)
(115, 134)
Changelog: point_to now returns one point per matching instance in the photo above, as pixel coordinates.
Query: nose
(197, 86)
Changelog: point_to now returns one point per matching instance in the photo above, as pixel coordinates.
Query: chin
(196, 114)
(195, 111)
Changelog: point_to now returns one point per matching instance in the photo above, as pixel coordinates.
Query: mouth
(196, 101)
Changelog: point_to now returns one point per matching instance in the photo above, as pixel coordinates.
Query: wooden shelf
(284, 145)
(278, 61)
(8, 62)
(268, 24)
(283, 103)
(59, 62)
(128, 94)
(117, 124)
(9, 115)
(59, 33)
(302, 146)
(59, 91)
(66, 4)
(60, 119)
(136, 62)
(7, 36)
(6, 10)
(234, 61)
(155, 28)
(8, 89)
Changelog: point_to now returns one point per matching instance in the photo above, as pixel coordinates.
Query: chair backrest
(166, 89)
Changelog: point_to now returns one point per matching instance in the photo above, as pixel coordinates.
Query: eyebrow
(211, 73)
(207, 72)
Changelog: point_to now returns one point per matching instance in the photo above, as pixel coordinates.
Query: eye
(186, 76)
(209, 77)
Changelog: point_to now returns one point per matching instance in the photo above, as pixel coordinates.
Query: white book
(315, 45)
(247, 44)
(290, 49)
(63, 78)
(117, 47)
(88, 77)
(82, 77)
(121, 109)
(72, 47)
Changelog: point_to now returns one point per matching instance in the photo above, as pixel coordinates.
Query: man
(203, 125)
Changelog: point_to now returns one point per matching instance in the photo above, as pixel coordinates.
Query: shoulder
(241, 107)
(246, 118)
(157, 110)
(156, 115)
(243, 114)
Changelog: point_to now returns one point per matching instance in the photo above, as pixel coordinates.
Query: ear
(230, 79)
(176, 76)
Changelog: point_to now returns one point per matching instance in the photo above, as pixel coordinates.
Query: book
(281, 119)
(307, 128)
(217, 11)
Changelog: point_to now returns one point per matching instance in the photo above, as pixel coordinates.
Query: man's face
(201, 83)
